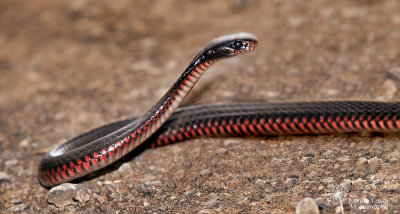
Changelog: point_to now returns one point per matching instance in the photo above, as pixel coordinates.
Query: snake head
(231, 45)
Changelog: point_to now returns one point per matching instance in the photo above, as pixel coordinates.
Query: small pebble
(206, 173)
(358, 184)
(179, 174)
(62, 195)
(143, 188)
(101, 199)
(170, 185)
(24, 144)
(187, 163)
(212, 202)
(82, 195)
(11, 163)
(389, 90)
(2, 206)
(361, 162)
(339, 209)
(328, 153)
(373, 163)
(15, 201)
(307, 206)
(125, 168)
(4, 177)
(328, 180)
(345, 184)
(222, 151)
(310, 155)
(18, 208)
(163, 208)
(321, 203)
(259, 182)
(232, 142)
(344, 158)
(206, 211)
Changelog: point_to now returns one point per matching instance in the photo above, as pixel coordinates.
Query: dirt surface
(69, 66)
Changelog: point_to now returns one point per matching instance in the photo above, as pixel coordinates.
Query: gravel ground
(69, 66)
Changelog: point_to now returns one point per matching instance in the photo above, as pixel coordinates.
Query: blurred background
(69, 66)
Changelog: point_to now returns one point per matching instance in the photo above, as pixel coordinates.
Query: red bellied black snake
(160, 125)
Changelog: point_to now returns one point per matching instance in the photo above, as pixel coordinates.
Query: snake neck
(164, 108)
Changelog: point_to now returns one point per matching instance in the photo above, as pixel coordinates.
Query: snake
(165, 123)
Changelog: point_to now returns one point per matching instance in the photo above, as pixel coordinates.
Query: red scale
(86, 166)
(71, 172)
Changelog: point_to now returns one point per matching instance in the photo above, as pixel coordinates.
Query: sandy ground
(69, 66)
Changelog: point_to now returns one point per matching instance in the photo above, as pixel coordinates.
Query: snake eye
(239, 44)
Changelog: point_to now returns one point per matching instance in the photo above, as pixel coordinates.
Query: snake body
(95, 150)
(162, 124)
